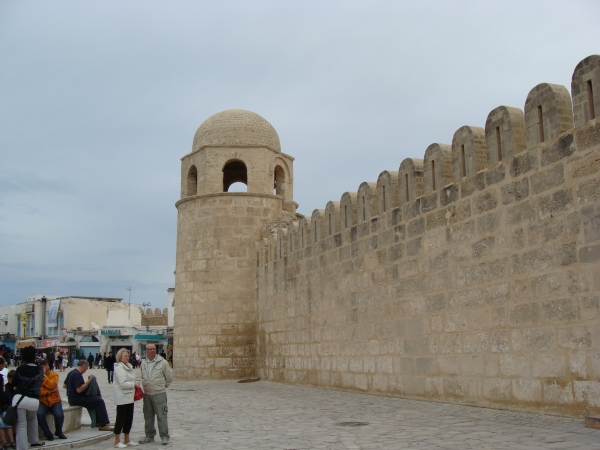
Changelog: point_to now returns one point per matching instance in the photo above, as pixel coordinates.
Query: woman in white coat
(124, 386)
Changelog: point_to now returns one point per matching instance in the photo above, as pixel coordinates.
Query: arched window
(89, 339)
(279, 182)
(234, 172)
(192, 181)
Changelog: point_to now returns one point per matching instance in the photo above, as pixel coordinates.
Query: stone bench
(72, 420)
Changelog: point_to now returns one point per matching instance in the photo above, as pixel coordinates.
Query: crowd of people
(33, 389)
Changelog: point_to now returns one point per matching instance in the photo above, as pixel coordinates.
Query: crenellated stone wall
(477, 282)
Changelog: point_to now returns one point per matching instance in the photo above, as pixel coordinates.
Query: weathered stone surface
(490, 297)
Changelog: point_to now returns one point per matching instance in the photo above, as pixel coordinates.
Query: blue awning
(149, 337)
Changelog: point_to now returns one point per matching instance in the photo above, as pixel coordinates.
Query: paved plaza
(265, 415)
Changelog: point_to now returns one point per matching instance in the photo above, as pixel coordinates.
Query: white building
(47, 320)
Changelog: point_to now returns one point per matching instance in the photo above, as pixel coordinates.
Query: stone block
(547, 179)
(523, 163)
(548, 366)
(416, 227)
(495, 175)
(526, 314)
(589, 191)
(539, 259)
(485, 202)
(416, 346)
(589, 253)
(436, 302)
(472, 184)
(527, 390)
(425, 365)
(484, 247)
(500, 341)
(457, 387)
(515, 191)
(460, 232)
(575, 337)
(540, 338)
(489, 222)
(555, 393)
(566, 254)
(562, 310)
(497, 389)
(439, 261)
(413, 247)
(522, 212)
(559, 149)
(559, 201)
(449, 195)
(429, 202)
(414, 385)
(497, 293)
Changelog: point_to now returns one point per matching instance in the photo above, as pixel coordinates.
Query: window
(590, 94)
(234, 172)
(192, 181)
(498, 144)
(279, 182)
(541, 123)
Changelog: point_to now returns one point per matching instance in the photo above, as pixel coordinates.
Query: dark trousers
(111, 374)
(58, 414)
(124, 418)
(92, 403)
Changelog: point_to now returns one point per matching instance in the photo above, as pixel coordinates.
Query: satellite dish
(95, 326)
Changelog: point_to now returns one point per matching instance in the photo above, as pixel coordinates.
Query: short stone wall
(72, 420)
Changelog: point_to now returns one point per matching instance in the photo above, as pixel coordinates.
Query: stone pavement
(266, 415)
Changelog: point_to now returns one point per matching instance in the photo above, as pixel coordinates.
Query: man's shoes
(146, 440)
(61, 436)
(165, 441)
(49, 438)
(120, 445)
(106, 428)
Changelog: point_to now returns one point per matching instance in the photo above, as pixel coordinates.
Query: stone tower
(215, 282)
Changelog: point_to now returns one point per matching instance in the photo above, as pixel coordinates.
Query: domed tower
(215, 287)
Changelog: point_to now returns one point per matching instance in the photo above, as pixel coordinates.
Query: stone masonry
(471, 276)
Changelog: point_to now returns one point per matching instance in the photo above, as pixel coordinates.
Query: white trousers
(27, 428)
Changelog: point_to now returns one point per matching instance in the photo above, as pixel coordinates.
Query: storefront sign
(110, 332)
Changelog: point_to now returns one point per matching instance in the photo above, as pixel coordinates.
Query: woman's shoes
(131, 444)
(120, 445)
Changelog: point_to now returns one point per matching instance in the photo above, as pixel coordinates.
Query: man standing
(156, 377)
(109, 365)
(76, 391)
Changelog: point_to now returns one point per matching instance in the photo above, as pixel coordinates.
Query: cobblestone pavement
(266, 415)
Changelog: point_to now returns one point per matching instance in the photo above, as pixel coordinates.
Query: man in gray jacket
(156, 377)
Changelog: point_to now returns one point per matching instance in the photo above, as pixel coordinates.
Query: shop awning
(26, 343)
(149, 337)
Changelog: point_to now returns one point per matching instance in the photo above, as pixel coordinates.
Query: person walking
(156, 378)
(124, 389)
(109, 365)
(28, 379)
(50, 402)
(90, 360)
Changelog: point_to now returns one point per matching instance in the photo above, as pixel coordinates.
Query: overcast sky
(100, 100)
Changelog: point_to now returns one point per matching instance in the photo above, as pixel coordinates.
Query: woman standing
(124, 387)
(28, 379)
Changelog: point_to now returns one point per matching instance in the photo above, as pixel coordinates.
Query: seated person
(7, 440)
(50, 401)
(76, 392)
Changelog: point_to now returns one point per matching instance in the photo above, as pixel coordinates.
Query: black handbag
(10, 416)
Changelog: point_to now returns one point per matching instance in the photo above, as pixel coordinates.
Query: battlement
(450, 171)
(468, 276)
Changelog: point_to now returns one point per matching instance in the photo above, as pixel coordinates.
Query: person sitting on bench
(77, 394)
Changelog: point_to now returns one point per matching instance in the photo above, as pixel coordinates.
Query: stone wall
(470, 285)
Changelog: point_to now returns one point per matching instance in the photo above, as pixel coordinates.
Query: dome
(236, 128)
